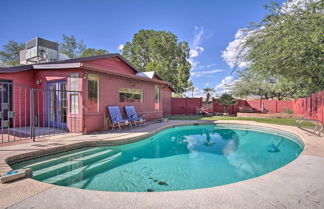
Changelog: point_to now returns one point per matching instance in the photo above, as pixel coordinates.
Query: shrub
(288, 111)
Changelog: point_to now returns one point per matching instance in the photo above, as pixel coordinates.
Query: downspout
(83, 99)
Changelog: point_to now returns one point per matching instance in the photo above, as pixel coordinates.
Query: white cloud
(205, 72)
(211, 65)
(120, 47)
(234, 54)
(289, 6)
(197, 93)
(193, 63)
(195, 46)
(203, 67)
(195, 52)
(198, 35)
(224, 86)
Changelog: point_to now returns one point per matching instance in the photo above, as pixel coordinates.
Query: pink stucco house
(81, 89)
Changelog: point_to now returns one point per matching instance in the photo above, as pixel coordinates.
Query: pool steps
(84, 170)
(51, 161)
(76, 160)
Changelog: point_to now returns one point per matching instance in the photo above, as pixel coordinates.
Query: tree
(71, 47)
(253, 84)
(225, 100)
(160, 51)
(93, 52)
(177, 95)
(191, 88)
(9, 55)
(208, 92)
(289, 43)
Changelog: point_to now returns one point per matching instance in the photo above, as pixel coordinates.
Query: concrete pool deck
(299, 184)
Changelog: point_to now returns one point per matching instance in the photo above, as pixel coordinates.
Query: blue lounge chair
(132, 115)
(117, 118)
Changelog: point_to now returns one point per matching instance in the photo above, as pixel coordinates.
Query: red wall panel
(112, 64)
(311, 107)
(109, 86)
(22, 81)
(185, 106)
(166, 101)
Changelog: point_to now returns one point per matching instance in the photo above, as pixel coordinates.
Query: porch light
(38, 82)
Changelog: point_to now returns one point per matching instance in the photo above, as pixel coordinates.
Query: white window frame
(97, 78)
(159, 98)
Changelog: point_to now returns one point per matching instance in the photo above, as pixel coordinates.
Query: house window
(93, 93)
(74, 103)
(157, 97)
(130, 95)
(74, 95)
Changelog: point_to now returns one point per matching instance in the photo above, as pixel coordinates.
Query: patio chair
(133, 117)
(117, 118)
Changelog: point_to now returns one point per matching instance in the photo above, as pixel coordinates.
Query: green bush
(288, 111)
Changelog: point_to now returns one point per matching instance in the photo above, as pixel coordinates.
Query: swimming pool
(178, 158)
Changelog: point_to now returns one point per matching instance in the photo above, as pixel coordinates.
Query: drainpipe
(32, 115)
(83, 100)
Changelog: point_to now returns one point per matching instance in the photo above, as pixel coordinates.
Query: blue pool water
(179, 158)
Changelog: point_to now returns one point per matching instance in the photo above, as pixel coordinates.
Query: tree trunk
(225, 108)
(266, 97)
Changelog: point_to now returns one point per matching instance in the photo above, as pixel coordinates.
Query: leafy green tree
(253, 84)
(71, 47)
(290, 44)
(160, 51)
(93, 52)
(226, 99)
(178, 95)
(9, 55)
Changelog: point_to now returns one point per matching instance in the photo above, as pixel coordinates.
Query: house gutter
(57, 66)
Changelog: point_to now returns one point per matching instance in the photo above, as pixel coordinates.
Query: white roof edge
(149, 74)
(57, 66)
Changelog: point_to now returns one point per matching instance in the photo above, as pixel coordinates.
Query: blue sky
(208, 26)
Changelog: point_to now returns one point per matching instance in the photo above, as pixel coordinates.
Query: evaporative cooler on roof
(39, 50)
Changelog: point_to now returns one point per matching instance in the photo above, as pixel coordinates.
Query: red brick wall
(109, 86)
(231, 109)
(21, 96)
(112, 64)
(270, 106)
(166, 101)
(74, 121)
(311, 107)
(185, 106)
(109, 95)
(217, 107)
(254, 104)
(21, 104)
(282, 105)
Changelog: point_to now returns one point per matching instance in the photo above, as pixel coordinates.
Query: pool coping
(313, 146)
